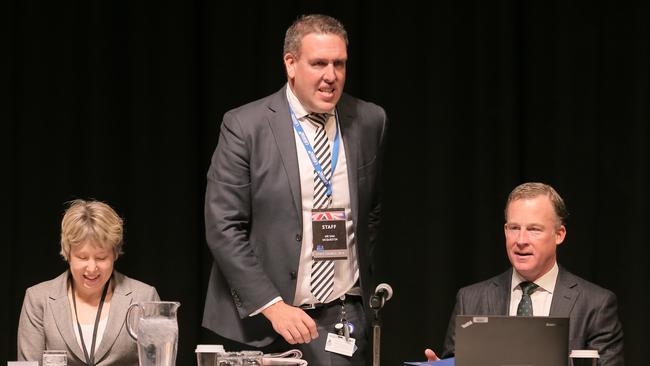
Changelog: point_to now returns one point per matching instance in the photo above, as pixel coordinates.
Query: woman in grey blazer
(83, 310)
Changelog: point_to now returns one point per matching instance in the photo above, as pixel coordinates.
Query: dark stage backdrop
(122, 102)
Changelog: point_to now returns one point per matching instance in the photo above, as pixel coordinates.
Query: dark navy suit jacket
(592, 310)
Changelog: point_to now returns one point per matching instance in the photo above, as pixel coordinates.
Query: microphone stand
(376, 303)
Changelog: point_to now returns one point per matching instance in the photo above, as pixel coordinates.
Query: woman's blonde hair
(91, 221)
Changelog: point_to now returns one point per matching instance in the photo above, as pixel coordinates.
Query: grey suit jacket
(592, 310)
(253, 213)
(46, 322)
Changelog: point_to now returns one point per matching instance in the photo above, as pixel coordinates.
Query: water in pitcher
(157, 341)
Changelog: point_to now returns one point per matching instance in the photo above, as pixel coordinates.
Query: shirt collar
(546, 282)
(298, 109)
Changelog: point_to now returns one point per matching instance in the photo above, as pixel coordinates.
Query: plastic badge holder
(243, 358)
(55, 358)
(252, 358)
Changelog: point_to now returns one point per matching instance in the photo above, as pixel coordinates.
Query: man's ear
(560, 234)
(290, 65)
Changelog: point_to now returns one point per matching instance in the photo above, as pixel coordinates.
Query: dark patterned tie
(525, 307)
(322, 271)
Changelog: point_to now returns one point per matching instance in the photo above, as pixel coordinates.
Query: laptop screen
(511, 341)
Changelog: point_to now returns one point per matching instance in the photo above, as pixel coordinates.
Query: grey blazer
(253, 209)
(592, 310)
(46, 322)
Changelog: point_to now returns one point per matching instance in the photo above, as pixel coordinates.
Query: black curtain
(122, 101)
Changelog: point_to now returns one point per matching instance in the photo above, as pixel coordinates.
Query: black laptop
(511, 341)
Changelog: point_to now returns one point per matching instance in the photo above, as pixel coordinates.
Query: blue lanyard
(312, 155)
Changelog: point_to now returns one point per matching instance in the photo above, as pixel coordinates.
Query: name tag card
(330, 241)
(338, 344)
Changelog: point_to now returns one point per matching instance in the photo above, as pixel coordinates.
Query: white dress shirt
(346, 272)
(541, 296)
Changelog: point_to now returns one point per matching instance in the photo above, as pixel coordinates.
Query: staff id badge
(330, 241)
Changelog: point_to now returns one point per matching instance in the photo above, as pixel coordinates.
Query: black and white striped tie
(322, 271)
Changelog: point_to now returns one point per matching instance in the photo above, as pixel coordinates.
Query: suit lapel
(499, 295)
(63, 317)
(280, 122)
(120, 303)
(351, 143)
(565, 294)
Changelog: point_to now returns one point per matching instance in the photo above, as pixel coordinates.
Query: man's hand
(430, 355)
(291, 322)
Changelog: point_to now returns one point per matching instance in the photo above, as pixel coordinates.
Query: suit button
(293, 275)
(236, 298)
(298, 237)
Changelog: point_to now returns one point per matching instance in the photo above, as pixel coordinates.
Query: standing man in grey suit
(292, 207)
(535, 225)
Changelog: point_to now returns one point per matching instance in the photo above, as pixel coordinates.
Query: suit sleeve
(228, 206)
(449, 347)
(31, 335)
(153, 294)
(606, 334)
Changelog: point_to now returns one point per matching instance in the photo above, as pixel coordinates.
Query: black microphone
(383, 293)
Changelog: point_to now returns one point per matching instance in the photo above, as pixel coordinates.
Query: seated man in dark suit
(536, 285)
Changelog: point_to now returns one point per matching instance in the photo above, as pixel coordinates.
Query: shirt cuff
(277, 299)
